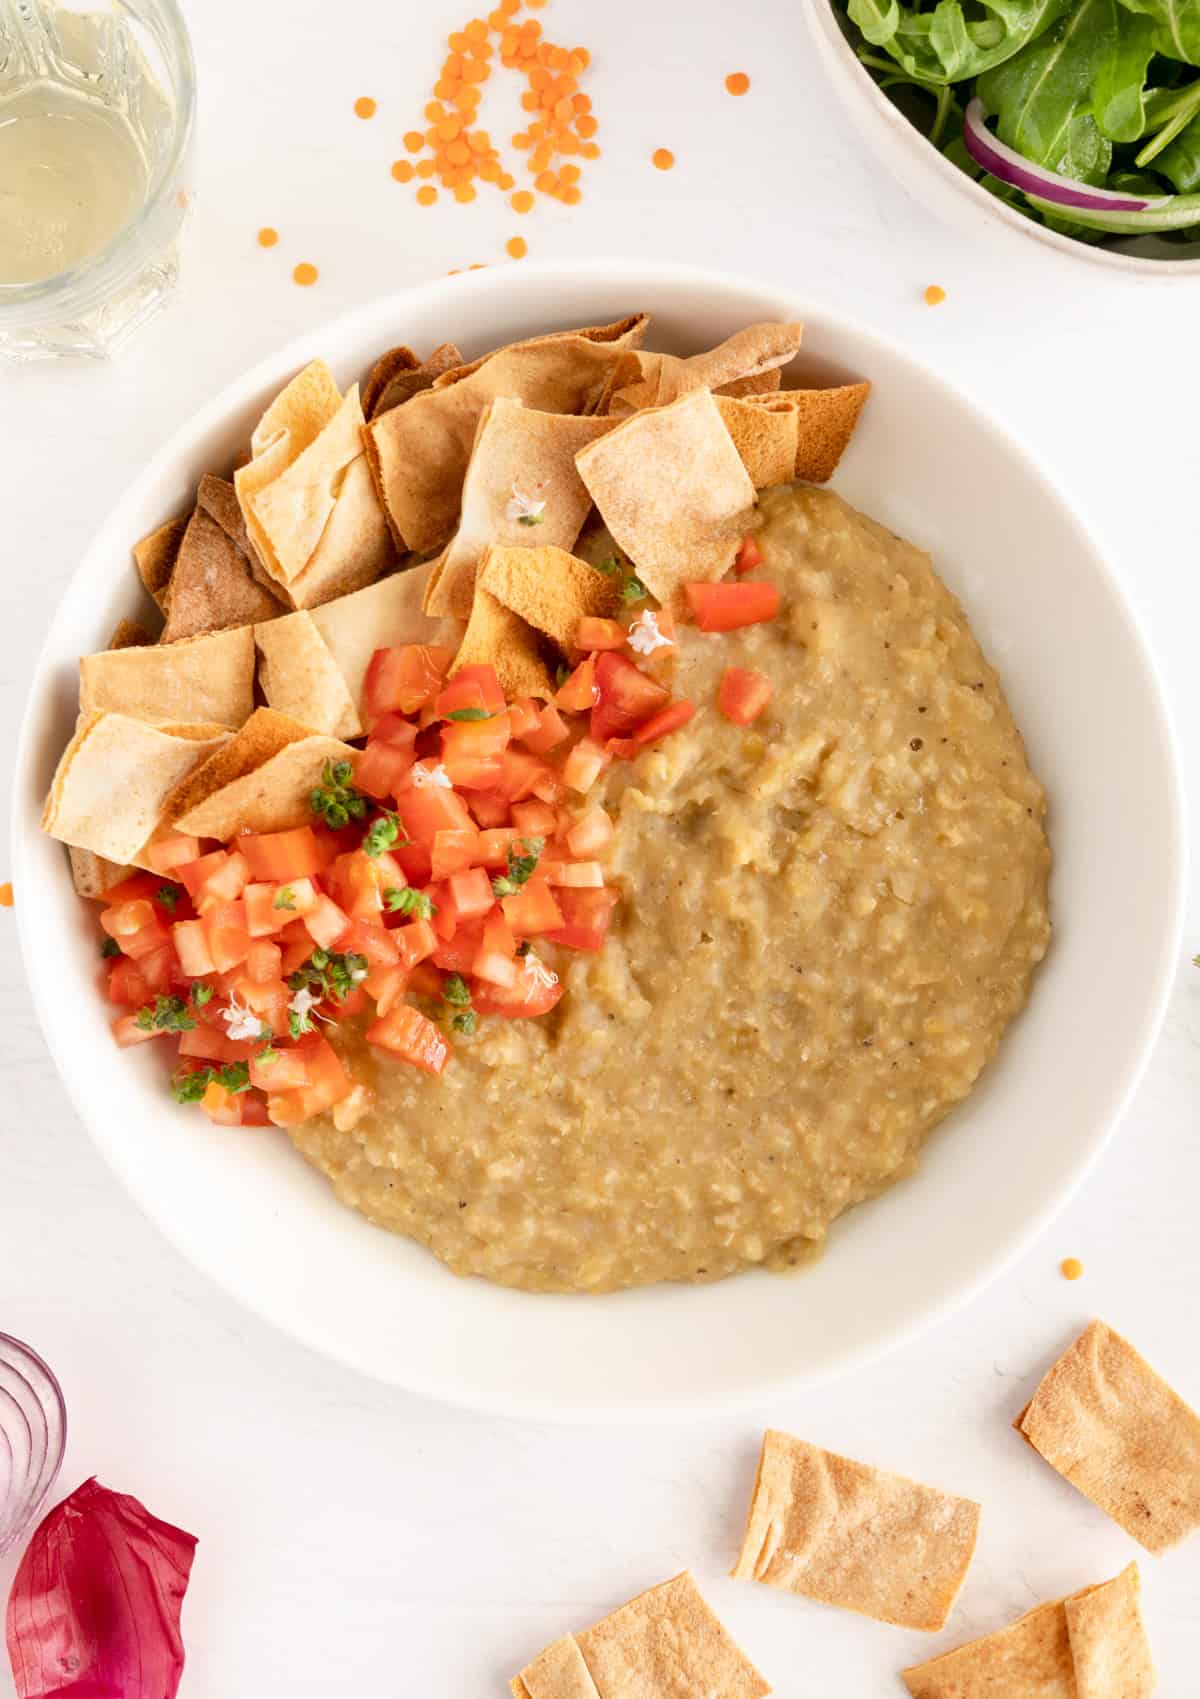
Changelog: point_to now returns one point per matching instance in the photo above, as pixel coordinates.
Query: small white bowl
(949, 192)
(926, 461)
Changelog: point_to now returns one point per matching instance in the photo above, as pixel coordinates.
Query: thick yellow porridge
(827, 921)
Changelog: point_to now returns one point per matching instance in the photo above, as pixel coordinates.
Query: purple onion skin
(1044, 185)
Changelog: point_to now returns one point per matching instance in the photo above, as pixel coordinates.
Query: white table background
(353, 1539)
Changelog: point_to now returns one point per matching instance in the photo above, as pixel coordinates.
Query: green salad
(1083, 114)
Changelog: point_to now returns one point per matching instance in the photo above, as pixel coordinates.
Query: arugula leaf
(1176, 26)
(520, 867)
(1180, 162)
(169, 1014)
(335, 799)
(1042, 98)
(944, 45)
(1119, 90)
(382, 835)
(110, 947)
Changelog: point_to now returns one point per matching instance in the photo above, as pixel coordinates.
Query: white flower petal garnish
(645, 637)
(525, 507)
(422, 777)
(242, 1022)
(541, 977)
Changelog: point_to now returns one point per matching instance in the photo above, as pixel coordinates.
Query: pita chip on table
(418, 452)
(549, 588)
(398, 375)
(1113, 1427)
(665, 1644)
(114, 778)
(306, 494)
(207, 678)
(853, 1536)
(671, 487)
(502, 639)
(262, 780)
(521, 487)
(1091, 1645)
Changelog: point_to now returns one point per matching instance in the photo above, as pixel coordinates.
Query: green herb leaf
(109, 948)
(201, 994)
(633, 590)
(610, 566)
(520, 867)
(469, 714)
(169, 1014)
(561, 674)
(189, 1085)
(235, 1076)
(298, 1024)
(456, 990)
(168, 896)
(334, 974)
(407, 901)
(1043, 96)
(285, 898)
(268, 1053)
(466, 1022)
(383, 834)
(531, 519)
(945, 44)
(335, 800)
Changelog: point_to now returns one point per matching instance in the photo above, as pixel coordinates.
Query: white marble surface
(353, 1539)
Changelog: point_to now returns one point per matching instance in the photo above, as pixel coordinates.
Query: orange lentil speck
(522, 140)
(402, 171)
(458, 153)
(934, 295)
(522, 201)
(365, 107)
(582, 54)
(476, 30)
(663, 158)
(546, 181)
(434, 112)
(737, 82)
(414, 141)
(564, 111)
(587, 127)
(517, 246)
(267, 237)
(505, 182)
(305, 274)
(569, 174)
(464, 192)
(459, 42)
(479, 141)
(1072, 1268)
(426, 168)
(6, 894)
(426, 195)
(589, 150)
(558, 58)
(571, 195)
(477, 265)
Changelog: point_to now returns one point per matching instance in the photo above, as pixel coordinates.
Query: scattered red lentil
(365, 107)
(402, 171)
(522, 201)
(517, 246)
(1072, 1268)
(305, 274)
(663, 158)
(934, 295)
(427, 194)
(737, 82)
(267, 237)
(6, 895)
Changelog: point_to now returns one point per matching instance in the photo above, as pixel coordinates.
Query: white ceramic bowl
(244, 1207)
(958, 199)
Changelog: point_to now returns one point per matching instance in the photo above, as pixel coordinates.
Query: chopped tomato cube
(726, 607)
(595, 634)
(270, 907)
(743, 695)
(672, 717)
(471, 751)
(748, 556)
(222, 1106)
(445, 916)
(167, 853)
(484, 675)
(459, 695)
(126, 1031)
(325, 922)
(127, 987)
(548, 787)
(519, 773)
(387, 985)
(495, 845)
(489, 809)
(405, 679)
(550, 731)
(427, 809)
(455, 955)
(206, 1044)
(586, 918)
(397, 730)
(471, 893)
(415, 942)
(224, 884)
(532, 909)
(454, 851)
(281, 855)
(415, 863)
(228, 939)
(158, 967)
(585, 764)
(534, 992)
(138, 886)
(573, 874)
(328, 1084)
(627, 697)
(590, 834)
(124, 920)
(381, 769)
(254, 1110)
(579, 693)
(264, 961)
(411, 1036)
(353, 883)
(282, 1070)
(523, 715)
(268, 999)
(370, 938)
(495, 961)
(534, 819)
(190, 938)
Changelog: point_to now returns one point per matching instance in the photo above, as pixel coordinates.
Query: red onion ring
(1011, 167)
(33, 1436)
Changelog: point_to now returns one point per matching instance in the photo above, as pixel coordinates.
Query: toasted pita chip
(761, 383)
(212, 587)
(261, 781)
(1112, 1427)
(200, 679)
(356, 547)
(398, 375)
(419, 452)
(855, 1537)
(155, 556)
(672, 489)
(746, 356)
(294, 508)
(665, 1644)
(503, 640)
(130, 634)
(218, 498)
(386, 615)
(92, 875)
(1035, 1657)
(300, 412)
(519, 454)
(114, 778)
(765, 434)
(550, 589)
(300, 678)
(825, 421)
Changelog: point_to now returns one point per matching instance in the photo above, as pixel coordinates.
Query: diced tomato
(743, 695)
(372, 939)
(585, 764)
(126, 985)
(157, 967)
(415, 942)
(586, 918)
(381, 769)
(264, 961)
(342, 1008)
(523, 715)
(455, 955)
(330, 844)
(254, 1110)
(489, 809)
(726, 607)
(532, 909)
(445, 916)
(353, 883)
(548, 786)
(394, 729)
(207, 1044)
(281, 855)
(224, 884)
(534, 819)
(167, 853)
(192, 874)
(127, 1032)
(748, 556)
(415, 863)
(328, 1084)
(579, 693)
(283, 1070)
(521, 772)
(123, 920)
(461, 694)
(658, 726)
(471, 751)
(429, 809)
(534, 992)
(267, 999)
(484, 675)
(325, 922)
(580, 875)
(495, 845)
(591, 833)
(627, 697)
(411, 1036)
(387, 985)
(471, 893)
(190, 938)
(594, 634)
(138, 886)
(221, 1106)
(453, 852)
(227, 936)
(495, 961)
(405, 679)
(550, 731)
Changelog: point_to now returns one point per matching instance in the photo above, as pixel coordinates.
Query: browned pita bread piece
(765, 434)
(92, 875)
(212, 587)
(665, 1644)
(419, 452)
(521, 487)
(113, 780)
(1091, 1645)
(130, 634)
(155, 556)
(825, 421)
(550, 589)
(1112, 1427)
(762, 383)
(746, 357)
(201, 679)
(260, 781)
(671, 488)
(503, 640)
(853, 1536)
(398, 375)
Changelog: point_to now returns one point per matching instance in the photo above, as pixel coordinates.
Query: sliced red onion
(1035, 180)
(33, 1436)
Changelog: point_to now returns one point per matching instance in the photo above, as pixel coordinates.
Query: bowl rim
(747, 1395)
(849, 71)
